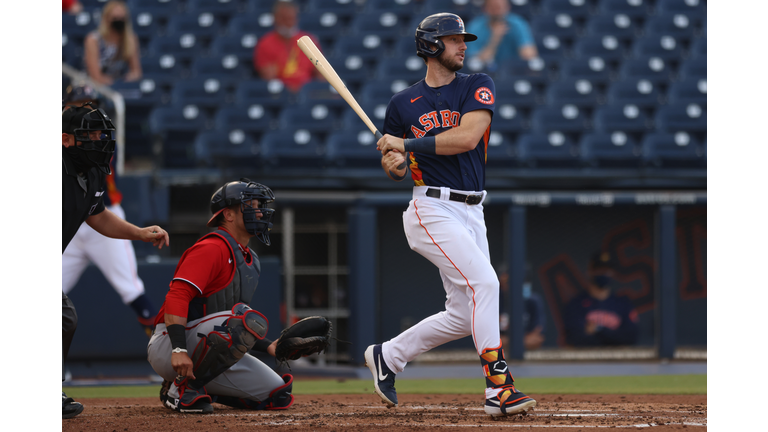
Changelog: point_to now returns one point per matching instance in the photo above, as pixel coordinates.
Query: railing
(117, 100)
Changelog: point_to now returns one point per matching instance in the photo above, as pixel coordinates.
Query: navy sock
(143, 307)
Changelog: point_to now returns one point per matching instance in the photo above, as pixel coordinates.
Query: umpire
(88, 145)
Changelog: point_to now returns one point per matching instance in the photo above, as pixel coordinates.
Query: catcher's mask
(95, 131)
(242, 192)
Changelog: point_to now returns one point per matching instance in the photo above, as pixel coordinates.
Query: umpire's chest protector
(240, 289)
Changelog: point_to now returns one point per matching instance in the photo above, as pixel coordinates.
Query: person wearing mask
(112, 50)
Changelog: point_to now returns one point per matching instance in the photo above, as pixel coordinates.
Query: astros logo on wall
(484, 96)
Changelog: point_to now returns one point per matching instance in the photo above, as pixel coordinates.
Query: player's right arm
(181, 362)
(460, 139)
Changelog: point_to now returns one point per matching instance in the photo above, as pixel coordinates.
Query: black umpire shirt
(81, 197)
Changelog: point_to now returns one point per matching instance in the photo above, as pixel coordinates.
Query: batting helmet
(95, 132)
(242, 192)
(431, 28)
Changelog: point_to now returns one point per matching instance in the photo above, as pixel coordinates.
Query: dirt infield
(416, 412)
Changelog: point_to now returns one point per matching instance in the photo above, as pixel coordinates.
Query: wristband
(395, 176)
(424, 145)
(178, 335)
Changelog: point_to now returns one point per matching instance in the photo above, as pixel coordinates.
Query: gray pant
(248, 379)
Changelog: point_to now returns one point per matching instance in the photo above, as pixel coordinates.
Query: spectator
(533, 315)
(112, 50)
(73, 7)
(501, 36)
(597, 317)
(277, 56)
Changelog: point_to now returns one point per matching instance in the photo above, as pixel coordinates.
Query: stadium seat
(226, 148)
(578, 9)
(163, 69)
(152, 93)
(563, 118)
(386, 25)
(550, 47)
(71, 52)
(376, 112)
(183, 47)
(463, 8)
(637, 9)
(410, 68)
(688, 7)
(381, 90)
(76, 27)
(228, 69)
(404, 9)
(369, 47)
(352, 69)
(271, 94)
(537, 71)
(258, 7)
(594, 69)
(609, 150)
(240, 46)
(560, 25)
(293, 148)
(663, 46)
(654, 69)
(510, 120)
(621, 117)
(353, 148)
(679, 26)
(699, 48)
(326, 26)
(694, 68)
(255, 24)
(519, 92)
(176, 126)
(688, 91)
(254, 119)
(345, 9)
(204, 25)
(607, 47)
(208, 93)
(167, 7)
(637, 91)
(321, 92)
(501, 151)
(689, 117)
(620, 26)
(149, 24)
(222, 9)
(579, 92)
(317, 118)
(672, 150)
(547, 150)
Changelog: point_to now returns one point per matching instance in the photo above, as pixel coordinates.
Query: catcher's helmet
(94, 129)
(432, 27)
(242, 192)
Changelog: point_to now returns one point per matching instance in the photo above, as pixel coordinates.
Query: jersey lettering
(431, 120)
(418, 133)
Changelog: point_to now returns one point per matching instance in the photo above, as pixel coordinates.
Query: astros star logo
(484, 96)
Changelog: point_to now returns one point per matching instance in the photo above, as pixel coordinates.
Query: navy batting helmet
(242, 192)
(432, 27)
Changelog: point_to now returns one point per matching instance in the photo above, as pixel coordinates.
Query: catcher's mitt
(308, 336)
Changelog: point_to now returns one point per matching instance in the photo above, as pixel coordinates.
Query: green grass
(655, 384)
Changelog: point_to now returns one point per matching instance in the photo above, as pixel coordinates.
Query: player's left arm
(109, 224)
(459, 139)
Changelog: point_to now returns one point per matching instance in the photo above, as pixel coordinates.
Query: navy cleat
(383, 377)
(70, 408)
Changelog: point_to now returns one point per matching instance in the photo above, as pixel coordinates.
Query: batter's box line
(496, 425)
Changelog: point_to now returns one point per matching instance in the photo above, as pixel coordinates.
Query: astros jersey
(421, 110)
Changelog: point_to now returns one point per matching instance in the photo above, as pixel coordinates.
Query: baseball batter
(439, 128)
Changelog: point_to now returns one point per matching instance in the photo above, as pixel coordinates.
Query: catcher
(205, 327)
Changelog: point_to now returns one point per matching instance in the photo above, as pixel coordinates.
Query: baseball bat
(326, 70)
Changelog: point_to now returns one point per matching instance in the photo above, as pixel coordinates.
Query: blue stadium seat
(594, 69)
(152, 93)
(688, 7)
(326, 26)
(318, 118)
(368, 47)
(353, 148)
(578, 9)
(227, 148)
(258, 7)
(654, 69)
(679, 26)
(620, 26)
(621, 117)
(183, 47)
(321, 92)
(71, 52)
(694, 68)
(579, 92)
(352, 69)
(271, 94)
(176, 126)
(632, 8)
(699, 47)
(665, 47)
(537, 71)
(609, 150)
(501, 151)
(550, 47)
(168, 7)
(672, 150)
(381, 90)
(149, 24)
(563, 118)
(386, 25)
(404, 9)
(688, 91)
(376, 112)
(345, 9)
(607, 47)
(208, 93)
(409, 67)
(76, 27)
(548, 150)
(254, 119)
(519, 92)
(163, 69)
(509, 120)
(255, 24)
(228, 69)
(465, 9)
(296, 147)
(689, 117)
(223, 10)
(637, 91)
(203, 25)
(559, 24)
(240, 46)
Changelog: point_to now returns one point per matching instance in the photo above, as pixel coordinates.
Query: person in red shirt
(205, 327)
(276, 55)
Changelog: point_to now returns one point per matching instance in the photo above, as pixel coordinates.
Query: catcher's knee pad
(246, 327)
(281, 397)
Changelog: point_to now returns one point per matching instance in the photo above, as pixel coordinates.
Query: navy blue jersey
(421, 110)
(615, 317)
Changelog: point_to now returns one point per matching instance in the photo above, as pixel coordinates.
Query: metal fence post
(667, 281)
(363, 244)
(517, 259)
